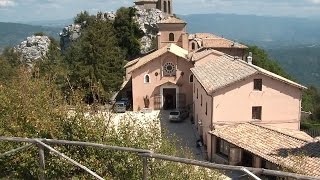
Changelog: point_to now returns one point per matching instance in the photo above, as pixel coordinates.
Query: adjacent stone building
(164, 5)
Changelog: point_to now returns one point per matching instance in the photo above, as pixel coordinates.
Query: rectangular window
(206, 108)
(256, 112)
(197, 93)
(201, 100)
(223, 148)
(257, 84)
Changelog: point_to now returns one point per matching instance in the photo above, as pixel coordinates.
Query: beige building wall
(180, 35)
(153, 89)
(233, 52)
(202, 111)
(146, 5)
(281, 103)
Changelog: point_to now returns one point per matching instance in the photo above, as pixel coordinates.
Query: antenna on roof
(249, 58)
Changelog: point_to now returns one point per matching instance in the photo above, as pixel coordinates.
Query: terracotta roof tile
(131, 63)
(221, 43)
(202, 35)
(284, 150)
(197, 55)
(169, 48)
(221, 72)
(172, 20)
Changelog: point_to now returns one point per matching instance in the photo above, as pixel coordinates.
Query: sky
(35, 10)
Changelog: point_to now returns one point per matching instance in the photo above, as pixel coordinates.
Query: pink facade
(172, 33)
(158, 82)
(280, 102)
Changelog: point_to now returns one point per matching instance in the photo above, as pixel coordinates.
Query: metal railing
(145, 154)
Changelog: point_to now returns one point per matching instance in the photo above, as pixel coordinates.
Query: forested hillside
(13, 33)
(302, 63)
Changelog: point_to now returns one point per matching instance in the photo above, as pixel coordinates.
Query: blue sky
(34, 10)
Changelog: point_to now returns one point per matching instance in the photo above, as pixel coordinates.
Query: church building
(216, 80)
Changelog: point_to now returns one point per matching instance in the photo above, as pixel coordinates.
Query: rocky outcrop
(34, 48)
(68, 35)
(147, 20)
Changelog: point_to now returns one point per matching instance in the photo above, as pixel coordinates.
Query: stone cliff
(34, 48)
(147, 19)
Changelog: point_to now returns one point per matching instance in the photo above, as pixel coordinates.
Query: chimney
(249, 58)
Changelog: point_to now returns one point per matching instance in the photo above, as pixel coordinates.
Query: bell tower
(172, 31)
(165, 6)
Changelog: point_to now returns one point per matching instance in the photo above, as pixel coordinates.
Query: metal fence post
(41, 162)
(145, 168)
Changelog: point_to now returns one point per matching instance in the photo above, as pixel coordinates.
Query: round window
(169, 68)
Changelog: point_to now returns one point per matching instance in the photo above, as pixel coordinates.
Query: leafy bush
(33, 107)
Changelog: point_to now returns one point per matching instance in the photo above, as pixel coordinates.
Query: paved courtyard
(184, 132)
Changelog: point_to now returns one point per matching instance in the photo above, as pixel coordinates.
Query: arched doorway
(169, 97)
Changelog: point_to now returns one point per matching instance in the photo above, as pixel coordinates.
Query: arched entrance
(169, 97)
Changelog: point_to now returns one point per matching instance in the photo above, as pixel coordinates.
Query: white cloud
(6, 3)
(315, 1)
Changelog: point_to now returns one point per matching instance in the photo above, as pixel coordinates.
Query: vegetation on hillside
(128, 31)
(34, 107)
(34, 103)
(301, 62)
(12, 34)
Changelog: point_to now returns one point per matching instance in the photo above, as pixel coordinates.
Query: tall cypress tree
(128, 31)
(96, 60)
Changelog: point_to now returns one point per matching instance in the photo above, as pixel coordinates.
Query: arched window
(193, 46)
(191, 78)
(165, 6)
(169, 7)
(171, 37)
(146, 78)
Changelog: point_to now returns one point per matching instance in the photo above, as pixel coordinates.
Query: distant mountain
(267, 32)
(51, 23)
(303, 63)
(12, 34)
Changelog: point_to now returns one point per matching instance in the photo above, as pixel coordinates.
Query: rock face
(33, 49)
(69, 34)
(147, 20)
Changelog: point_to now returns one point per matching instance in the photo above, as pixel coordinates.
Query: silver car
(120, 107)
(175, 116)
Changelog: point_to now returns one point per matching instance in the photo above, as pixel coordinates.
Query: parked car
(126, 101)
(119, 107)
(178, 115)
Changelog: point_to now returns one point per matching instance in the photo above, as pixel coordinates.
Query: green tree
(261, 59)
(96, 60)
(39, 34)
(84, 17)
(32, 107)
(128, 31)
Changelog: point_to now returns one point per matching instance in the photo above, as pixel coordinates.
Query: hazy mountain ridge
(12, 34)
(301, 62)
(267, 32)
(294, 42)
